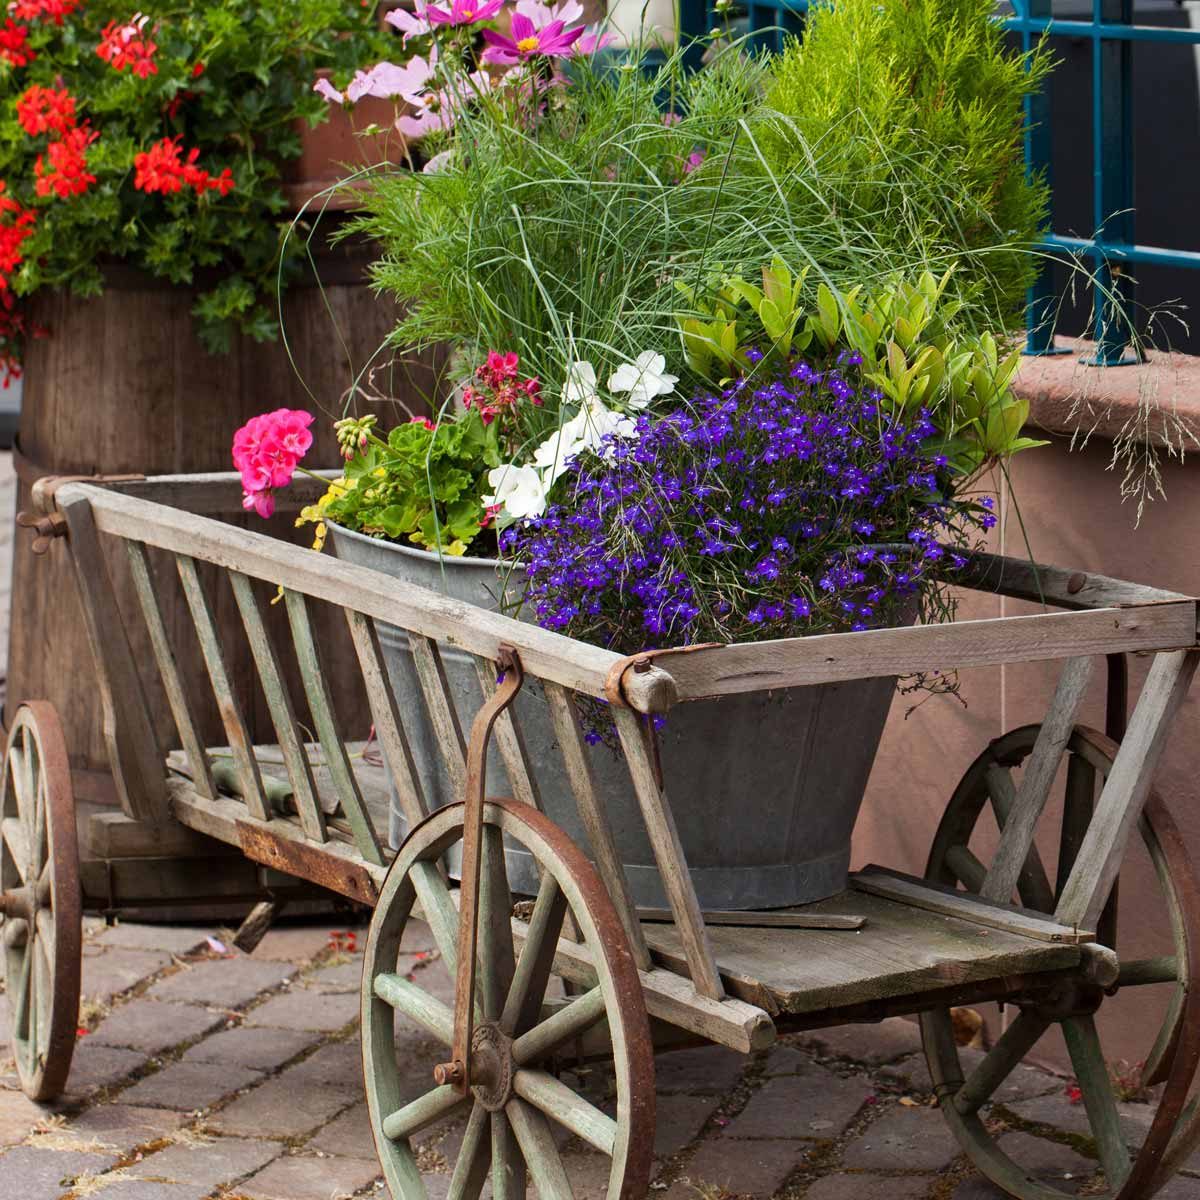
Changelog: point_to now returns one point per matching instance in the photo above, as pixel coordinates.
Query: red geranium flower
(66, 173)
(14, 44)
(163, 169)
(45, 110)
(43, 10)
(127, 45)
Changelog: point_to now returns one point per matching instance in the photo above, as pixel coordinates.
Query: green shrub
(871, 82)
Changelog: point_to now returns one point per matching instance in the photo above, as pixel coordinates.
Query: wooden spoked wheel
(40, 900)
(1130, 1171)
(514, 1102)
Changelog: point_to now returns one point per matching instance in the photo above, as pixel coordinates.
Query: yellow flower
(314, 514)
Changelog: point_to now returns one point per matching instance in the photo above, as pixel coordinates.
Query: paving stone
(174, 939)
(871, 1044)
(911, 1138)
(1023, 1082)
(1047, 1160)
(153, 1025)
(588, 1174)
(1057, 1110)
(707, 1070)
(97, 1066)
(259, 1049)
(146, 1189)
(679, 1119)
(18, 1115)
(343, 977)
(339, 1064)
(301, 1177)
(815, 1104)
(303, 1009)
(417, 939)
(280, 1109)
(209, 1163)
(350, 1135)
(186, 1086)
(224, 982)
(746, 1168)
(294, 943)
(867, 1187)
(33, 1174)
(109, 972)
(117, 1128)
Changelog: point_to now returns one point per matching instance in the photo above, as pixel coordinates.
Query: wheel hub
(491, 1066)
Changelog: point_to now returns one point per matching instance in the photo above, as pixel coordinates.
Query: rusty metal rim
(47, 1079)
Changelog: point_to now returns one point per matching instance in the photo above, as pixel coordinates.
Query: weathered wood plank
(389, 727)
(774, 919)
(428, 613)
(168, 670)
(993, 914)
(133, 750)
(279, 702)
(240, 744)
(594, 816)
(798, 662)
(334, 749)
(1041, 767)
(668, 853)
(1126, 788)
(439, 705)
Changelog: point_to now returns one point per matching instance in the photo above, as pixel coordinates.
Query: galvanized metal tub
(765, 787)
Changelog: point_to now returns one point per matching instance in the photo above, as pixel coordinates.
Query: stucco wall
(1073, 516)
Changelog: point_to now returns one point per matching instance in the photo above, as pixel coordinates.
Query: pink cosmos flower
(593, 40)
(412, 24)
(461, 12)
(439, 109)
(568, 12)
(266, 452)
(387, 81)
(528, 42)
(324, 88)
(693, 161)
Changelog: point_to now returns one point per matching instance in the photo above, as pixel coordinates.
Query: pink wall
(1073, 515)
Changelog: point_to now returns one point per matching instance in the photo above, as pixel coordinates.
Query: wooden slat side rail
(168, 669)
(389, 727)
(1126, 788)
(218, 493)
(443, 716)
(332, 746)
(825, 658)
(279, 703)
(420, 610)
(240, 744)
(1057, 586)
(992, 914)
(509, 740)
(668, 854)
(594, 816)
(1040, 770)
(133, 750)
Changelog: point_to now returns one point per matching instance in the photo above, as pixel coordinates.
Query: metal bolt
(449, 1074)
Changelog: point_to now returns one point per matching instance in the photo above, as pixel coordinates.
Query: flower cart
(1015, 927)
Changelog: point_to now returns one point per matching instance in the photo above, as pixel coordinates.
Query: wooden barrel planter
(123, 385)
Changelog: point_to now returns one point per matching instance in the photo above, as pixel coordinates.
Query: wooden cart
(1004, 924)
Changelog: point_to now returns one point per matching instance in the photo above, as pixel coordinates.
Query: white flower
(580, 386)
(594, 422)
(519, 489)
(553, 455)
(644, 378)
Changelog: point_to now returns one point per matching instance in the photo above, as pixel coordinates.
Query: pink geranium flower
(461, 12)
(527, 41)
(266, 452)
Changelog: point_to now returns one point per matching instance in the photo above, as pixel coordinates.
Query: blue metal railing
(1111, 249)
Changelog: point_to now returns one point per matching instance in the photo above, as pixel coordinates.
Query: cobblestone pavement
(208, 1075)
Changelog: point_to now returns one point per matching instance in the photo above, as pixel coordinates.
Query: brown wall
(1074, 517)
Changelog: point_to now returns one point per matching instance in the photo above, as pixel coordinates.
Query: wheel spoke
(416, 1003)
(969, 870)
(496, 959)
(39, 851)
(20, 1013)
(1091, 1071)
(537, 1145)
(508, 1166)
(18, 767)
(569, 1022)
(423, 1111)
(1033, 885)
(568, 1108)
(537, 957)
(1016, 1041)
(18, 844)
(438, 909)
(1079, 803)
(471, 1167)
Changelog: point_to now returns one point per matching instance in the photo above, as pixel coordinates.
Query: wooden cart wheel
(1130, 1172)
(40, 900)
(513, 1108)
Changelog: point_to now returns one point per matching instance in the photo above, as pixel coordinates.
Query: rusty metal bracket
(46, 528)
(457, 1072)
(614, 684)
